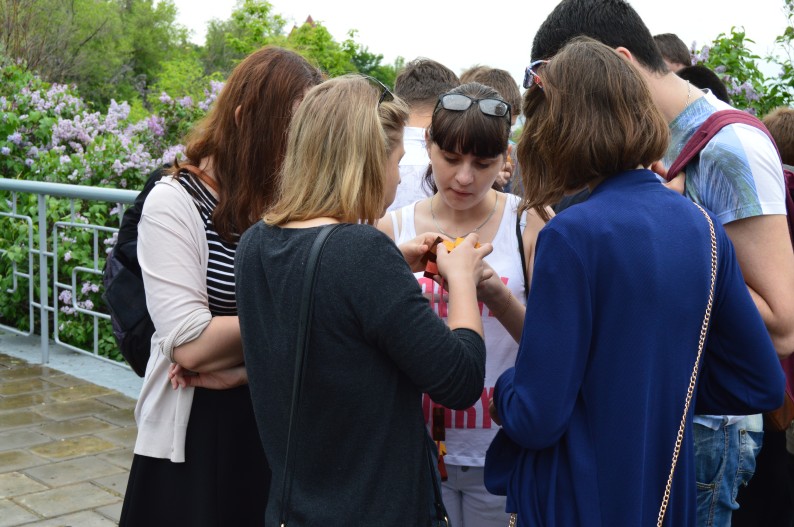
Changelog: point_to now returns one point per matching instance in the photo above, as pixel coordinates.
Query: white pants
(467, 501)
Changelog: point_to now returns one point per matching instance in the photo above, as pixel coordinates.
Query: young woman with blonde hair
(363, 448)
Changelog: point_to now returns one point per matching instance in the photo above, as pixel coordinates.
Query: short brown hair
(422, 80)
(780, 124)
(590, 117)
(336, 154)
(499, 80)
(673, 49)
(247, 147)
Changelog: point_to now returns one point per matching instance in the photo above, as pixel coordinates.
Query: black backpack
(124, 294)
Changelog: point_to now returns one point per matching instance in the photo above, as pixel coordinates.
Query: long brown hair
(592, 118)
(247, 145)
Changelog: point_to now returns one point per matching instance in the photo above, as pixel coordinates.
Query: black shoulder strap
(520, 236)
(301, 350)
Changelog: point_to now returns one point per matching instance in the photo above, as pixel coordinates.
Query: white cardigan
(173, 253)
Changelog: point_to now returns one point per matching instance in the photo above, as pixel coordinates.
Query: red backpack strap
(710, 127)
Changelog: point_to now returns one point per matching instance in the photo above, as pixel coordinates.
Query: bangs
(470, 132)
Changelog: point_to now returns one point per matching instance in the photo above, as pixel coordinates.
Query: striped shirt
(220, 266)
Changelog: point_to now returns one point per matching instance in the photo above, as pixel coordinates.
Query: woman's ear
(428, 141)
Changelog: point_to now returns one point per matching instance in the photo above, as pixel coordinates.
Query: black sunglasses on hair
(386, 94)
(458, 102)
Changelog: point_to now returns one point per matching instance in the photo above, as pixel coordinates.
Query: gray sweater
(376, 347)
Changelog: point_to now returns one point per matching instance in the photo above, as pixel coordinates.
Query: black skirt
(225, 477)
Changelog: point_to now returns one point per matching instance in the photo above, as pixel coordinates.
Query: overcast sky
(497, 34)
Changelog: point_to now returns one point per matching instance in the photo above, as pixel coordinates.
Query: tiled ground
(65, 448)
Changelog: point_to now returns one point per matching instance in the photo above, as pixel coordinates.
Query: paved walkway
(65, 443)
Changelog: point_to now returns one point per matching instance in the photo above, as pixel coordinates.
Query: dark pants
(768, 500)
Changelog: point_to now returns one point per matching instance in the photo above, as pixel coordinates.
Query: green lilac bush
(739, 68)
(48, 133)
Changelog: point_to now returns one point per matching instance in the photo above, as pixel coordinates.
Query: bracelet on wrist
(504, 307)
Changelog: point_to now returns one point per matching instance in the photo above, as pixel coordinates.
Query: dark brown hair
(247, 149)
(469, 131)
(422, 80)
(499, 80)
(780, 124)
(592, 118)
(673, 48)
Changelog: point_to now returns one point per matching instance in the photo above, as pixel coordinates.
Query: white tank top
(469, 432)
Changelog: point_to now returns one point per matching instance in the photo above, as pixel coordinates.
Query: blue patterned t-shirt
(738, 174)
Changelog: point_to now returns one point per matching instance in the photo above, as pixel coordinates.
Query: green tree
(253, 25)
(108, 48)
(313, 41)
(749, 87)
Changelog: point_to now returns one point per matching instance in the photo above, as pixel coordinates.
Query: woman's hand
(490, 285)
(494, 413)
(465, 262)
(414, 250)
(506, 174)
(677, 184)
(214, 380)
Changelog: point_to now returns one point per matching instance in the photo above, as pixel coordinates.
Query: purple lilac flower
(33, 151)
(170, 154)
(186, 101)
(87, 305)
(5, 150)
(65, 296)
(87, 288)
(165, 98)
(29, 162)
(15, 138)
(65, 160)
(67, 310)
(155, 124)
(67, 256)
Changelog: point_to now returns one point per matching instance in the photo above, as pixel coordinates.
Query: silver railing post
(43, 281)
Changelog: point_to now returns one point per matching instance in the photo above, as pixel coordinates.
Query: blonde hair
(337, 149)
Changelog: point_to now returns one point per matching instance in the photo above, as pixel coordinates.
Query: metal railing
(45, 248)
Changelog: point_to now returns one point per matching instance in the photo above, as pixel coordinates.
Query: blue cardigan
(591, 410)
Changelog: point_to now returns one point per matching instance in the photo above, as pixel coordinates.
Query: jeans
(469, 503)
(724, 459)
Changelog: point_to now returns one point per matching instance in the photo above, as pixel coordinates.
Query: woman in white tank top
(467, 143)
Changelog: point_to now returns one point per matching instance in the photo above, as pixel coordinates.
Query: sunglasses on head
(531, 76)
(458, 102)
(386, 94)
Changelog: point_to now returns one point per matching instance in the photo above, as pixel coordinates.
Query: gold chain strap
(513, 520)
(703, 332)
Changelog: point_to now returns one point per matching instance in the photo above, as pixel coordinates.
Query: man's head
(781, 125)
(674, 52)
(611, 22)
(422, 80)
(703, 78)
(499, 80)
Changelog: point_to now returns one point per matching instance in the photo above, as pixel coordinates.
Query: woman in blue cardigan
(591, 410)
